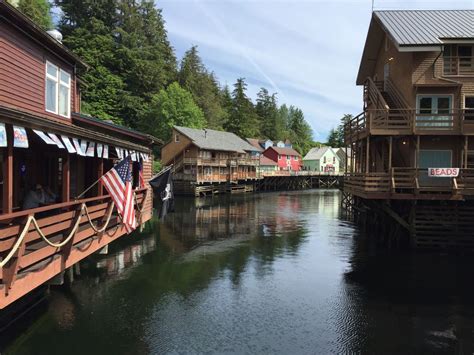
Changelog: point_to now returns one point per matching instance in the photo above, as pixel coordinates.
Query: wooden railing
(410, 181)
(396, 96)
(37, 245)
(458, 66)
(372, 93)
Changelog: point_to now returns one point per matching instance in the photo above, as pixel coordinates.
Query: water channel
(265, 273)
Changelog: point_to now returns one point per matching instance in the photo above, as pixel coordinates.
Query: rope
(32, 220)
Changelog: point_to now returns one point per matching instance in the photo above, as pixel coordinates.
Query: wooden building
(322, 159)
(44, 140)
(286, 158)
(206, 159)
(412, 151)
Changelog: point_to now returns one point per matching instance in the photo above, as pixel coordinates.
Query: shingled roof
(285, 151)
(215, 140)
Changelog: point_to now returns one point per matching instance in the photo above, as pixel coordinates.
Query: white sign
(3, 135)
(134, 156)
(20, 139)
(119, 153)
(106, 152)
(56, 140)
(99, 150)
(78, 147)
(44, 137)
(90, 149)
(84, 146)
(68, 144)
(443, 172)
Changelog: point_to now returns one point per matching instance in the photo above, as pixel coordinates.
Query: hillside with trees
(136, 80)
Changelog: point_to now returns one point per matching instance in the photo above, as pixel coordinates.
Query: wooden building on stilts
(50, 155)
(412, 147)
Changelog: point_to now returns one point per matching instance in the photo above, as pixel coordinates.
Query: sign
(20, 139)
(3, 135)
(68, 144)
(84, 146)
(119, 153)
(44, 137)
(443, 172)
(106, 152)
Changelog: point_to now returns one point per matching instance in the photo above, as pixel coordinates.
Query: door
(434, 159)
(434, 111)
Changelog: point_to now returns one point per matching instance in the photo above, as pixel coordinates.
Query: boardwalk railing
(410, 181)
(37, 244)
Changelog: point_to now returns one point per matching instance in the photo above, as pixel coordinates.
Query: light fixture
(404, 142)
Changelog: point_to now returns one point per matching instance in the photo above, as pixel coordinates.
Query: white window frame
(176, 137)
(58, 83)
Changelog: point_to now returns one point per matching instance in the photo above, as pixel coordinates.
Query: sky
(307, 51)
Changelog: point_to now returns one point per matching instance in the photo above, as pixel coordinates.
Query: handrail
(395, 94)
(64, 205)
(375, 95)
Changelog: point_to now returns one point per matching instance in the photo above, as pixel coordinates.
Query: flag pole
(86, 190)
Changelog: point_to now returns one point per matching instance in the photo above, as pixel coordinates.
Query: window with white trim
(58, 91)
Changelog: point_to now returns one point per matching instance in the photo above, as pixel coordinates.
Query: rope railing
(31, 220)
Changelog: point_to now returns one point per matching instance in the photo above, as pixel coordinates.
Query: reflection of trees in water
(397, 301)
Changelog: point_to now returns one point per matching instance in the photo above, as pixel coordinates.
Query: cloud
(306, 50)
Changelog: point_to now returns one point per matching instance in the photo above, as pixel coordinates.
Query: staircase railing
(374, 96)
(395, 95)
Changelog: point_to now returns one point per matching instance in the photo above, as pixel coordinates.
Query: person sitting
(38, 197)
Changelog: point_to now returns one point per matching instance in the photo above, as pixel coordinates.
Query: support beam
(390, 153)
(367, 156)
(417, 152)
(66, 178)
(466, 149)
(100, 172)
(8, 173)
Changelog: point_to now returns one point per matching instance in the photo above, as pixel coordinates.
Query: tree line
(136, 80)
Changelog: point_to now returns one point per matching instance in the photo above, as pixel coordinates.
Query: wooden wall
(23, 73)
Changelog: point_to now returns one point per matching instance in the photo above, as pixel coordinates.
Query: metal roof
(317, 153)
(427, 27)
(254, 142)
(216, 140)
(285, 150)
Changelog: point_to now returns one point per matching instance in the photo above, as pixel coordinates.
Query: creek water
(258, 273)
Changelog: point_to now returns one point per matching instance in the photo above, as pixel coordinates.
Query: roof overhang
(29, 28)
(375, 36)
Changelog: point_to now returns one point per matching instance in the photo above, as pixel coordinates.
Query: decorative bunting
(84, 146)
(106, 152)
(119, 152)
(134, 156)
(56, 140)
(20, 139)
(68, 144)
(90, 149)
(78, 147)
(3, 135)
(100, 149)
(44, 137)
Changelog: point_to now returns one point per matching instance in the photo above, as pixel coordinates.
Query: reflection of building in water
(130, 255)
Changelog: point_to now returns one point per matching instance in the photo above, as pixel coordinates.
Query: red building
(286, 158)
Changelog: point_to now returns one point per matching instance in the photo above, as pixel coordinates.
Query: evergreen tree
(243, 120)
(272, 125)
(37, 10)
(170, 107)
(300, 131)
(194, 77)
(334, 138)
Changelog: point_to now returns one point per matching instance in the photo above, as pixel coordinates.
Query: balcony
(410, 183)
(408, 121)
(458, 66)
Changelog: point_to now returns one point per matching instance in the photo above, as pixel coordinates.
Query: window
(434, 111)
(176, 138)
(287, 157)
(58, 91)
(279, 157)
(324, 160)
(296, 157)
(469, 107)
(334, 160)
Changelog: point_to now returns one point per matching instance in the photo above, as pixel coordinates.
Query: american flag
(118, 182)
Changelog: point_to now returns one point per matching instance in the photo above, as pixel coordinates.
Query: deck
(38, 244)
(410, 184)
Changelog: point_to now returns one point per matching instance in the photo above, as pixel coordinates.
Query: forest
(135, 78)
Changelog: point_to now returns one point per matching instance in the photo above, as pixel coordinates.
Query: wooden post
(466, 149)
(390, 153)
(66, 178)
(417, 152)
(100, 172)
(367, 155)
(8, 173)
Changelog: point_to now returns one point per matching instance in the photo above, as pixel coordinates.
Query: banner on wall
(20, 139)
(56, 140)
(90, 149)
(78, 147)
(100, 149)
(3, 135)
(44, 137)
(68, 144)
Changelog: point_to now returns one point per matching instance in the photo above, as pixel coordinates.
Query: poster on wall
(20, 139)
(3, 135)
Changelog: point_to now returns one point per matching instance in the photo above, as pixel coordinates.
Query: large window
(434, 111)
(58, 90)
(469, 107)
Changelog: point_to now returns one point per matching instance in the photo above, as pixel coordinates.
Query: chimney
(205, 133)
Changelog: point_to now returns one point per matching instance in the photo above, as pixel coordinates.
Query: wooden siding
(172, 150)
(23, 73)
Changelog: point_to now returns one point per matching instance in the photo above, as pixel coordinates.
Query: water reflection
(269, 273)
